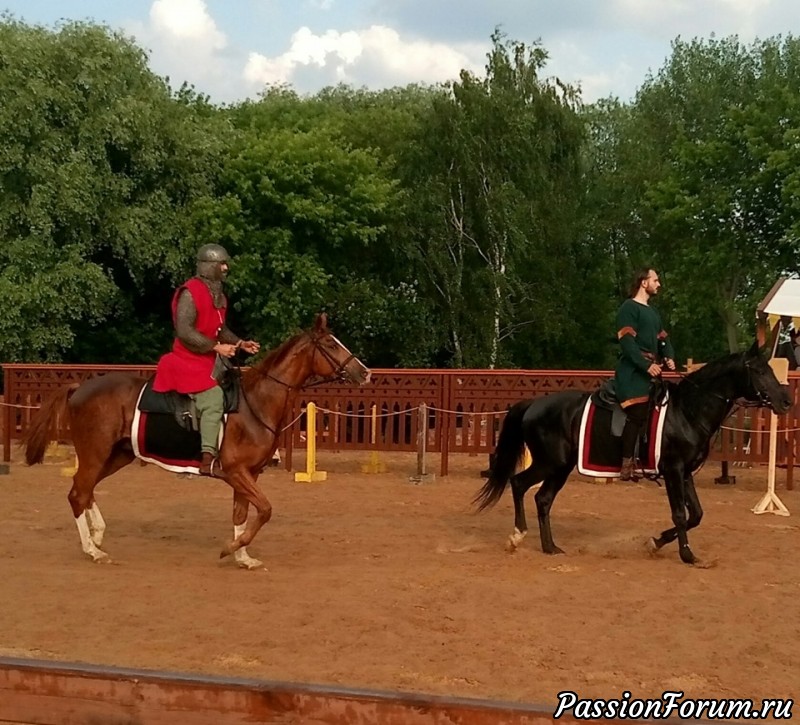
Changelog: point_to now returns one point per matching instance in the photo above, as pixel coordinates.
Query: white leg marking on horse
(86, 539)
(243, 559)
(515, 539)
(97, 524)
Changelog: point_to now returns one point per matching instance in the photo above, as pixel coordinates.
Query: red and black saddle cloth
(165, 431)
(600, 442)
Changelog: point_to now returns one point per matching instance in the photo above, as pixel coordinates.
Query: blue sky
(230, 49)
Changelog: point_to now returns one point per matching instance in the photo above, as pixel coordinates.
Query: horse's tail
(506, 455)
(42, 426)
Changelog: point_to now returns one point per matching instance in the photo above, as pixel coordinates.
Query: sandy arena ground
(371, 581)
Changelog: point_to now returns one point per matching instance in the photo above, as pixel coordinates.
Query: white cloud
(186, 21)
(377, 56)
(186, 45)
(690, 17)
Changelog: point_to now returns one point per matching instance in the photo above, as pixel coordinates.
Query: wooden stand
(770, 503)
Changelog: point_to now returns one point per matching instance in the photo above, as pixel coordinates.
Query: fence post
(7, 415)
(447, 405)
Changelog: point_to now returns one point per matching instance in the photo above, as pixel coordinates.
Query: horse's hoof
(555, 550)
(687, 557)
(249, 563)
(652, 546)
(514, 540)
(100, 557)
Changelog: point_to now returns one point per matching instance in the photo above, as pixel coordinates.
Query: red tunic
(182, 369)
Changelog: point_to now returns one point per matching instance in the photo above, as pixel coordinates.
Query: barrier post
(311, 474)
(770, 503)
(374, 463)
(525, 460)
(70, 471)
(422, 475)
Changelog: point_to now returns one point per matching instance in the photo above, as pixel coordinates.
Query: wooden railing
(465, 410)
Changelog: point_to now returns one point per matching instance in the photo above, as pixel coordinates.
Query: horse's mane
(273, 358)
(715, 368)
(691, 388)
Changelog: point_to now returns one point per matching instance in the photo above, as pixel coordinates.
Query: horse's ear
(756, 350)
(321, 323)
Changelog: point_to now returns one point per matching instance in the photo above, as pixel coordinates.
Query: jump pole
(311, 474)
(770, 503)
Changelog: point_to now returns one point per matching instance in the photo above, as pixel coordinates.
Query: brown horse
(101, 411)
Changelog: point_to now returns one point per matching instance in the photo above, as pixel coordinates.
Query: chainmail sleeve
(227, 336)
(185, 317)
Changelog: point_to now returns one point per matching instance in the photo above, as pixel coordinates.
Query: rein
(761, 402)
(339, 374)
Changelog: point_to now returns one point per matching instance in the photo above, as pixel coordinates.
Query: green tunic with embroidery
(642, 341)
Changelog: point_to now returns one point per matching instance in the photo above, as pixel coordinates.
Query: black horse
(699, 404)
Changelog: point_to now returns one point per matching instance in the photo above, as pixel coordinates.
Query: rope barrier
(366, 415)
(289, 425)
(468, 412)
(406, 411)
(748, 430)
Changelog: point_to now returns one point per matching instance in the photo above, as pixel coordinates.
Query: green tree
(722, 117)
(494, 186)
(99, 170)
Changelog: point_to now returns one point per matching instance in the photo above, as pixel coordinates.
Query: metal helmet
(210, 258)
(212, 253)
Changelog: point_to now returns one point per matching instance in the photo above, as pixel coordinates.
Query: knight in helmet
(199, 310)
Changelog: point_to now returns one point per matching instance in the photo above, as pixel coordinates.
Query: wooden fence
(466, 408)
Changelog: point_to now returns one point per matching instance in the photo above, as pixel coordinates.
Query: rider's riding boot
(626, 472)
(210, 466)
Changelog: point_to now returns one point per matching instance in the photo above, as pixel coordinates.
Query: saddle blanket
(159, 438)
(600, 452)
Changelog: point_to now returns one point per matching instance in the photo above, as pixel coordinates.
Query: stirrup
(212, 465)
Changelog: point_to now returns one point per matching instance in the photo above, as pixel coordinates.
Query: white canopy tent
(782, 301)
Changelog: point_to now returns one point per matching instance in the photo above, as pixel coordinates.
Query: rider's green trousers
(210, 407)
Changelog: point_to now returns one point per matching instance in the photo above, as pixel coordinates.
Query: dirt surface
(371, 581)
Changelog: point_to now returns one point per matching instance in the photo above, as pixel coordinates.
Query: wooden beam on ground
(36, 692)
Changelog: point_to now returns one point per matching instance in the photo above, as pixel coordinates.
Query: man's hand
(250, 346)
(654, 370)
(222, 348)
(670, 363)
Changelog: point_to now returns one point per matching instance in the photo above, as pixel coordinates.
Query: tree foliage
(491, 221)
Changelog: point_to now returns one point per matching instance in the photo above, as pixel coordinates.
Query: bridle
(339, 374)
(762, 399)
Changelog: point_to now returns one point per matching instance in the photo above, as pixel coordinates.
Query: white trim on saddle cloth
(587, 470)
(166, 466)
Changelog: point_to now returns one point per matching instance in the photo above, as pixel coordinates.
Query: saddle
(600, 433)
(181, 405)
(606, 397)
